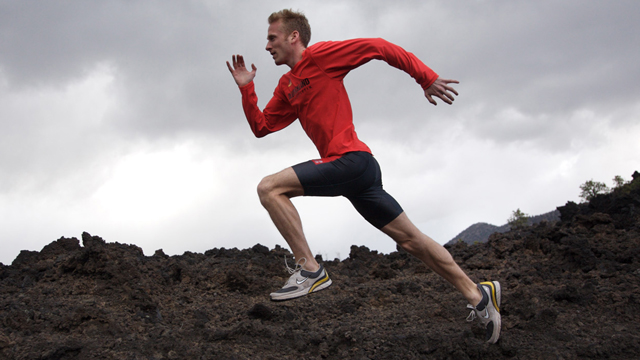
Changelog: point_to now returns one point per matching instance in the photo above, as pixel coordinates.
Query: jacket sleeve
(277, 115)
(339, 57)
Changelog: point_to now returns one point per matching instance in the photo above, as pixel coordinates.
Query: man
(313, 92)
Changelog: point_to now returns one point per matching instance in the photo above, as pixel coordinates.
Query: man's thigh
(345, 176)
(357, 177)
(284, 182)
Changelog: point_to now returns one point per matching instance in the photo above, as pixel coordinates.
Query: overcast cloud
(120, 118)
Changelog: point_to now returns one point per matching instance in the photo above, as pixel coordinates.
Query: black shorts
(356, 176)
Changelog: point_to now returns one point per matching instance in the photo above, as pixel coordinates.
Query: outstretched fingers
(237, 61)
(449, 88)
(239, 71)
(441, 89)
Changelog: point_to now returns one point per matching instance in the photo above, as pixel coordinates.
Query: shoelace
(297, 267)
(472, 314)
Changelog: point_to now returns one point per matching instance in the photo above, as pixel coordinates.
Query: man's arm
(340, 57)
(277, 114)
(239, 71)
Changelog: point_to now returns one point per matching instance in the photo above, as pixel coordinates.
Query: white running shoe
(489, 316)
(301, 282)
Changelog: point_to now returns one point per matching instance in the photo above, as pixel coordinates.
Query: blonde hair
(293, 21)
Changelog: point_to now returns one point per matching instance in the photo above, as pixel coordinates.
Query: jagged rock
(571, 290)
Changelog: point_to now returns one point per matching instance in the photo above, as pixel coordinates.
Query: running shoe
(302, 282)
(488, 310)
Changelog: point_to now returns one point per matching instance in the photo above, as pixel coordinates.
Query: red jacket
(313, 92)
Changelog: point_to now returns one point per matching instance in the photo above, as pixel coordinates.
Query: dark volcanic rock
(571, 290)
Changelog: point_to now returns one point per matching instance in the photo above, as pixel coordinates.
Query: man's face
(278, 44)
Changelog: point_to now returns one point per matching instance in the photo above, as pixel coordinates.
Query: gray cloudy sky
(120, 118)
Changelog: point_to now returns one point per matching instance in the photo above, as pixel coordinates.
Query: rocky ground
(571, 290)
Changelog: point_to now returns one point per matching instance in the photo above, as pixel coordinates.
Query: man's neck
(296, 57)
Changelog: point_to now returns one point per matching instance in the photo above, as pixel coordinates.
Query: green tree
(518, 219)
(618, 182)
(591, 189)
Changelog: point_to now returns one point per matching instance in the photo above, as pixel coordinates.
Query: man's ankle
(311, 267)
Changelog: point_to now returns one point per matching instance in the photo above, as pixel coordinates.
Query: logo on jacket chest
(303, 86)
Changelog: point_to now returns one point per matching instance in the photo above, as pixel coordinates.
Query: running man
(313, 93)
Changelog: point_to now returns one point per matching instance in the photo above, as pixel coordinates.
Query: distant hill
(480, 232)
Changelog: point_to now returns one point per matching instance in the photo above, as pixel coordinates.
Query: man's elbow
(259, 133)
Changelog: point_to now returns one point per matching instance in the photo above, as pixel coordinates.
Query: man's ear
(295, 35)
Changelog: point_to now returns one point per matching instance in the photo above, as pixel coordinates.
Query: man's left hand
(441, 89)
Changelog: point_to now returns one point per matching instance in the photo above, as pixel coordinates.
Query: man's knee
(407, 241)
(283, 183)
(403, 232)
(266, 188)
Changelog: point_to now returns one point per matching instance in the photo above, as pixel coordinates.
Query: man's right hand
(239, 71)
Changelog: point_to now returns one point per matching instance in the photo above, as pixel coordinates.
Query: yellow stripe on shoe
(320, 282)
(493, 293)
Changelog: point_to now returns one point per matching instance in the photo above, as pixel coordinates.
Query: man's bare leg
(434, 255)
(275, 192)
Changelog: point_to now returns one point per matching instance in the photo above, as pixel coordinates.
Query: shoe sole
(321, 284)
